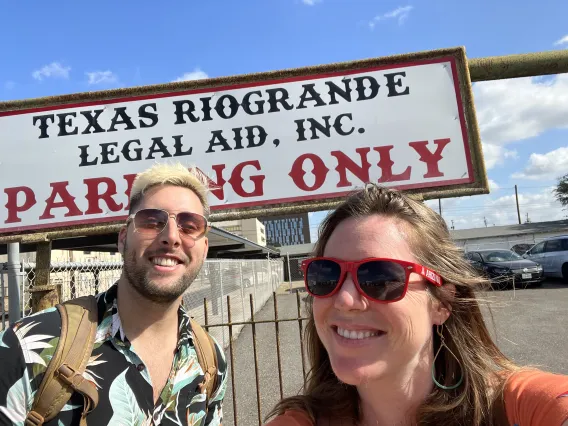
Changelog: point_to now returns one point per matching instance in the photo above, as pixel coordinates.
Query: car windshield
(500, 256)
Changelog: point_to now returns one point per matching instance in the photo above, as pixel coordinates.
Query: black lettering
(206, 109)
(125, 119)
(126, 151)
(314, 96)
(315, 125)
(93, 122)
(238, 138)
(246, 103)
(85, 157)
(43, 124)
(107, 149)
(221, 141)
(251, 137)
(392, 83)
(178, 145)
(361, 89)
(338, 126)
(336, 90)
(233, 106)
(180, 112)
(158, 146)
(153, 116)
(300, 130)
(274, 100)
(64, 122)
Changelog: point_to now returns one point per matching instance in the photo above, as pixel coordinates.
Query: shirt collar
(110, 326)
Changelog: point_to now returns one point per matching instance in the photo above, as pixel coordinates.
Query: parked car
(503, 267)
(552, 254)
(521, 248)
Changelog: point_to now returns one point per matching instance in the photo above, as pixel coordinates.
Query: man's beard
(137, 276)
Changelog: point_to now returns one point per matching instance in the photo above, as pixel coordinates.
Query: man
(144, 362)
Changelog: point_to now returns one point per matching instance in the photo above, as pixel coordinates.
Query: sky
(60, 47)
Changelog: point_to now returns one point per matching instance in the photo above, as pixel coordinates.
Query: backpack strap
(207, 357)
(64, 374)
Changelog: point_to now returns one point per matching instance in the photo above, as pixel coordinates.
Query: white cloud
(493, 185)
(196, 74)
(9, 85)
(495, 154)
(311, 2)
(551, 165)
(55, 70)
(563, 40)
(400, 14)
(101, 77)
(521, 108)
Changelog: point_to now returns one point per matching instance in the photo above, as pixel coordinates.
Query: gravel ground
(530, 327)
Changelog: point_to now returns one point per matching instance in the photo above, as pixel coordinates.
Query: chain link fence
(238, 279)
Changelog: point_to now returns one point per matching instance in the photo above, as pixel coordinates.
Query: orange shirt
(532, 398)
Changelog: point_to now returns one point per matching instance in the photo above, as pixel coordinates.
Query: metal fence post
(14, 308)
(289, 271)
(242, 289)
(3, 309)
(222, 297)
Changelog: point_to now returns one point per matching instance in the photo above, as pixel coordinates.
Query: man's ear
(122, 239)
(443, 310)
(206, 250)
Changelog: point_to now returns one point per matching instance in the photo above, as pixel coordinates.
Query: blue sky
(59, 47)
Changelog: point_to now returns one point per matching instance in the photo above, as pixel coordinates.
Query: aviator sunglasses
(378, 279)
(151, 222)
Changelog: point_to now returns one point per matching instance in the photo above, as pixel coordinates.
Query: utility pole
(453, 227)
(485, 221)
(518, 210)
(440, 205)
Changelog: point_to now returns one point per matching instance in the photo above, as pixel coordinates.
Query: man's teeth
(164, 261)
(356, 335)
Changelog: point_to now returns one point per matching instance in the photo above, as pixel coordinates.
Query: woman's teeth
(356, 335)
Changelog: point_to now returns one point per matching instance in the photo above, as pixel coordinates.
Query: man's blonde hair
(170, 174)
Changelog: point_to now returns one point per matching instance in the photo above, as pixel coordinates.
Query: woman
(396, 336)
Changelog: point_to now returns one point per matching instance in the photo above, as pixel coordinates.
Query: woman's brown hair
(478, 400)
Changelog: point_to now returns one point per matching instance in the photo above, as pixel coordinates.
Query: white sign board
(288, 140)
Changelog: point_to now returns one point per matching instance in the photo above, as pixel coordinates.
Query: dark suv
(505, 267)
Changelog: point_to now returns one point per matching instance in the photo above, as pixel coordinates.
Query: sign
(290, 138)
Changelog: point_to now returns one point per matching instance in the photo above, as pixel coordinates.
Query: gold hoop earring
(439, 330)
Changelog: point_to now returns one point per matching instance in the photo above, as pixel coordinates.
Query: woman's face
(401, 332)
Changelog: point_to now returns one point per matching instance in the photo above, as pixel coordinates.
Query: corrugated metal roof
(560, 226)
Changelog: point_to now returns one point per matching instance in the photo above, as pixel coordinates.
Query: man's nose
(170, 235)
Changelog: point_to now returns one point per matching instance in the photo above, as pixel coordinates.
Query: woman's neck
(394, 400)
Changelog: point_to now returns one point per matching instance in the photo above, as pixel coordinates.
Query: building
(287, 230)
(251, 229)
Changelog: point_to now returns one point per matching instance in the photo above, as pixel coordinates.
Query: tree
(561, 191)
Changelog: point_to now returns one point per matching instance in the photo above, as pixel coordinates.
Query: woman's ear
(443, 309)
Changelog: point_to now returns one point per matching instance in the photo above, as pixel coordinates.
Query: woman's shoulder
(291, 418)
(535, 397)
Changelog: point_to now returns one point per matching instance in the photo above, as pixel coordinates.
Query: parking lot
(529, 326)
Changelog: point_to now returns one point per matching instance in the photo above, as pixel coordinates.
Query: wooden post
(43, 294)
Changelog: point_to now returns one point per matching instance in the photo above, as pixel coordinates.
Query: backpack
(63, 376)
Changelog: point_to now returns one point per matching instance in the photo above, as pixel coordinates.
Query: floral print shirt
(123, 382)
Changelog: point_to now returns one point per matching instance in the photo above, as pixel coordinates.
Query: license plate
(527, 276)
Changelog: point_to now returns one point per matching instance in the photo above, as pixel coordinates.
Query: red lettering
(12, 204)
(431, 159)
(93, 196)
(297, 172)
(385, 164)
(216, 187)
(129, 181)
(67, 201)
(236, 180)
(345, 163)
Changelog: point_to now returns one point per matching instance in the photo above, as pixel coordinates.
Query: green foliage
(561, 191)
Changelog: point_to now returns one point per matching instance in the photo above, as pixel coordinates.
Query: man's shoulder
(45, 323)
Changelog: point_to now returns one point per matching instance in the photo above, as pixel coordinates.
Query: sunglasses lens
(150, 221)
(322, 277)
(382, 280)
(192, 224)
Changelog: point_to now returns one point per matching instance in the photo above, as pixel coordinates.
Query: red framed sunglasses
(378, 279)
